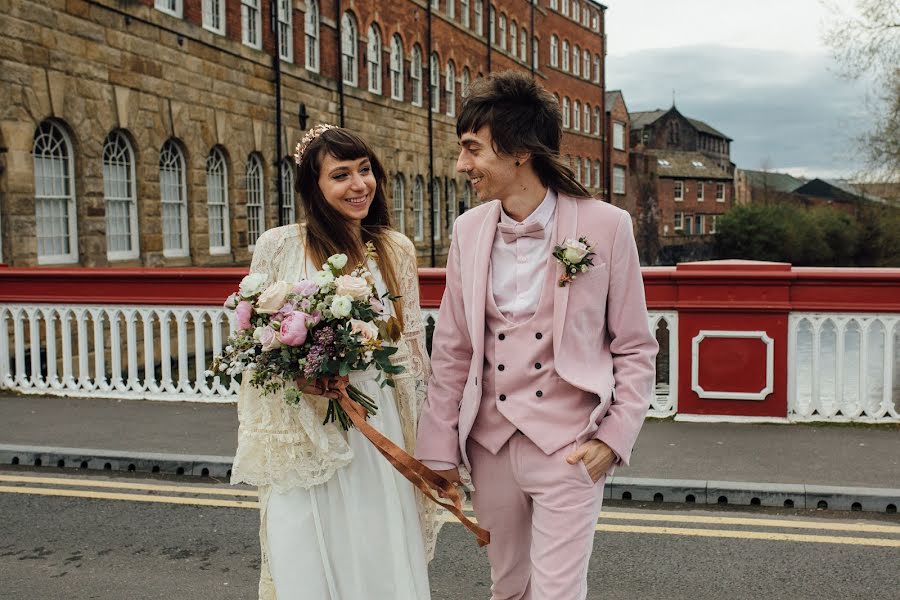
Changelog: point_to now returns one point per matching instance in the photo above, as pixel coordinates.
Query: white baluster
(115, 349)
(19, 329)
(134, 383)
(184, 382)
(100, 383)
(165, 351)
(149, 350)
(65, 323)
(84, 373)
(6, 379)
(49, 315)
(199, 319)
(216, 324)
(840, 341)
(34, 341)
(887, 402)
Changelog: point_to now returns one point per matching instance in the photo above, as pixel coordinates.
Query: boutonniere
(575, 256)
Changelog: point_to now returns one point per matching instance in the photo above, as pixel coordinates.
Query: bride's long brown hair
(327, 231)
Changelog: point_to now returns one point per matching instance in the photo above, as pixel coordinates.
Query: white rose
(574, 250)
(355, 287)
(323, 278)
(367, 331)
(252, 284)
(341, 306)
(273, 298)
(338, 261)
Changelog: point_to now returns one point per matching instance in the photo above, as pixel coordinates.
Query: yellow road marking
(751, 535)
(447, 518)
(753, 522)
(129, 497)
(101, 483)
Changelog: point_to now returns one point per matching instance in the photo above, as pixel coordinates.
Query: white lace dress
(337, 521)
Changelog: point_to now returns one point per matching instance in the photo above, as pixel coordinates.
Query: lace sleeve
(414, 326)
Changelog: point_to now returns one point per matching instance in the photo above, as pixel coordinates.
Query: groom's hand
(597, 457)
(451, 475)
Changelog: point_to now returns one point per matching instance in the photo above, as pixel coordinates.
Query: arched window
(398, 204)
(311, 29)
(418, 212)
(396, 67)
(597, 182)
(586, 123)
(577, 169)
(565, 7)
(288, 197)
(54, 191)
(597, 120)
(587, 172)
(566, 112)
(596, 68)
(576, 10)
(173, 196)
(554, 51)
(217, 203)
(435, 81)
(450, 88)
(513, 38)
(523, 45)
(467, 196)
(565, 55)
(373, 59)
(349, 49)
(415, 74)
(256, 222)
(503, 41)
(492, 25)
(464, 13)
(121, 198)
(576, 60)
(466, 82)
(576, 116)
(587, 64)
(285, 30)
(535, 44)
(436, 207)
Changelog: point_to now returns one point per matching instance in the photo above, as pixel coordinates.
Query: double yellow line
(730, 527)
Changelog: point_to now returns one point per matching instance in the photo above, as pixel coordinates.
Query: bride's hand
(319, 387)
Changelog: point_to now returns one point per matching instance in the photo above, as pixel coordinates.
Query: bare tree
(865, 43)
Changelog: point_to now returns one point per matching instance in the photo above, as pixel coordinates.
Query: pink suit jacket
(602, 342)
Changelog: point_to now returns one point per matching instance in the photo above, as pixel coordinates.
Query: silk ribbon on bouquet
(418, 474)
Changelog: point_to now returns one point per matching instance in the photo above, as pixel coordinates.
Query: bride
(337, 521)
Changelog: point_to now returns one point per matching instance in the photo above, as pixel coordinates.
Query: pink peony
(243, 312)
(315, 318)
(305, 287)
(285, 311)
(293, 329)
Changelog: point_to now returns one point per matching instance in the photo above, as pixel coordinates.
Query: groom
(538, 388)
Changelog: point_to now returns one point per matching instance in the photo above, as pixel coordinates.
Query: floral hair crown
(308, 138)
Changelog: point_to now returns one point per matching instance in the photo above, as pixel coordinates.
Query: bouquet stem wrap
(418, 474)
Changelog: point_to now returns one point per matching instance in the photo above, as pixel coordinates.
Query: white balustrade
(665, 398)
(844, 367)
(135, 351)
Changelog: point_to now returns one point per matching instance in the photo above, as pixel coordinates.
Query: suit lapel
(566, 227)
(480, 265)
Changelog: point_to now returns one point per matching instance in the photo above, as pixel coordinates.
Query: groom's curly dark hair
(522, 117)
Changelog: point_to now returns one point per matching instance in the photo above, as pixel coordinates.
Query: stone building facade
(144, 132)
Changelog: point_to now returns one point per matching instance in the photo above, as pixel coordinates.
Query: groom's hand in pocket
(597, 457)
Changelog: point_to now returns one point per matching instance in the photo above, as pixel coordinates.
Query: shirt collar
(542, 214)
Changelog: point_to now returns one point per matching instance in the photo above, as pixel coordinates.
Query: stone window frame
(450, 88)
(618, 179)
(373, 59)
(213, 16)
(251, 23)
(501, 26)
(576, 115)
(554, 50)
(418, 201)
(311, 33)
(436, 210)
(434, 82)
(174, 8)
(255, 188)
(466, 82)
(350, 48)
(286, 30)
(566, 110)
(565, 56)
(415, 74)
(478, 9)
(576, 60)
(120, 191)
(217, 201)
(514, 38)
(172, 162)
(288, 209)
(54, 192)
(396, 67)
(398, 201)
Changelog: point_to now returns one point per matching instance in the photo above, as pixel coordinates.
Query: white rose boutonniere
(576, 257)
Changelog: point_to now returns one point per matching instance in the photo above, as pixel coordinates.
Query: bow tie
(511, 233)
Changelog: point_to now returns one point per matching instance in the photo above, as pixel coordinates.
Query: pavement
(834, 466)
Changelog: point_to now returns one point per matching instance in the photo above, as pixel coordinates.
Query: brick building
(146, 133)
(688, 177)
(618, 124)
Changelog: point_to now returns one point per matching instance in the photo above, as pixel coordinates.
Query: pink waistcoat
(522, 390)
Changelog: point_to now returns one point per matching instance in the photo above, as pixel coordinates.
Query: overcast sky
(756, 71)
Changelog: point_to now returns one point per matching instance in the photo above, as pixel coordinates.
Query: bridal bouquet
(316, 328)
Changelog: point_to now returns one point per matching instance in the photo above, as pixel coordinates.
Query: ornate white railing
(844, 367)
(665, 400)
(145, 352)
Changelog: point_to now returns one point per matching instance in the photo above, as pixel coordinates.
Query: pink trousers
(542, 513)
